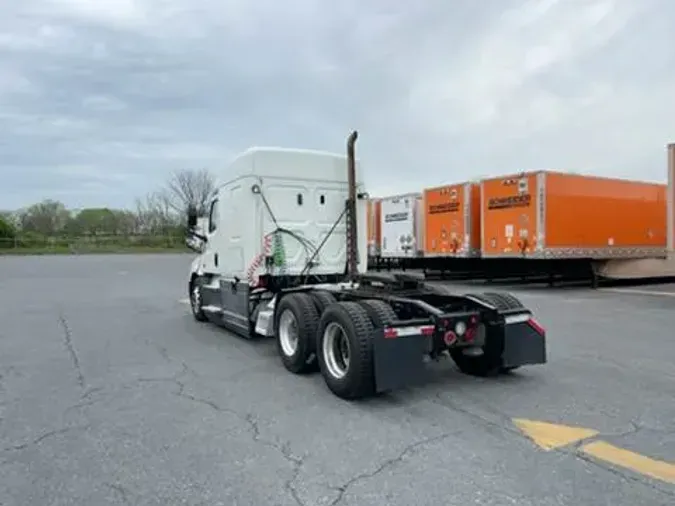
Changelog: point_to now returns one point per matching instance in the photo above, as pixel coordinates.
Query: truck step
(264, 324)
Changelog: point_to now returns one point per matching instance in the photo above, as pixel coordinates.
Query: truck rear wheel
(488, 362)
(345, 350)
(322, 299)
(295, 324)
(502, 300)
(381, 314)
(482, 365)
(505, 301)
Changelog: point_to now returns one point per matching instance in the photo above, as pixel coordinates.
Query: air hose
(279, 253)
(274, 248)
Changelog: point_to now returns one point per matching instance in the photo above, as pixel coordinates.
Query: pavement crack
(199, 400)
(640, 426)
(622, 475)
(166, 356)
(91, 391)
(80, 405)
(439, 400)
(573, 450)
(163, 352)
(634, 429)
(42, 437)
(285, 451)
(86, 399)
(343, 489)
(68, 341)
(121, 491)
(296, 463)
(251, 420)
(184, 371)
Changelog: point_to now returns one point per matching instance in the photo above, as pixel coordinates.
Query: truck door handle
(215, 259)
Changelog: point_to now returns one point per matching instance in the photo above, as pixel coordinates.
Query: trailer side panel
(603, 218)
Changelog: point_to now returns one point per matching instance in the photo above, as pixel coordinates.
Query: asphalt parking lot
(111, 394)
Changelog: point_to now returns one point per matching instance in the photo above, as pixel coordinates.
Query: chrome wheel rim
(336, 350)
(196, 299)
(288, 333)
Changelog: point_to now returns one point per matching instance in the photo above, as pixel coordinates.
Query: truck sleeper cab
(283, 256)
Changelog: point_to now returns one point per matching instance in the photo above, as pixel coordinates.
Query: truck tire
(503, 300)
(295, 324)
(483, 365)
(345, 350)
(487, 364)
(196, 299)
(322, 299)
(380, 313)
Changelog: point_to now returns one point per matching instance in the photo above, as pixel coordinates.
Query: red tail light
(427, 331)
(390, 333)
(450, 338)
(394, 332)
(538, 328)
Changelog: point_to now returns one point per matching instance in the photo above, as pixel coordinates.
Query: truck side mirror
(192, 217)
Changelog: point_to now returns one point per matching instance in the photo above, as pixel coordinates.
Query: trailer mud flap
(398, 358)
(524, 342)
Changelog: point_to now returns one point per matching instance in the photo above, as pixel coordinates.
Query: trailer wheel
(345, 350)
(196, 299)
(381, 314)
(322, 299)
(295, 324)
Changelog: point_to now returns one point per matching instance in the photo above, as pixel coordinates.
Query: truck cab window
(213, 216)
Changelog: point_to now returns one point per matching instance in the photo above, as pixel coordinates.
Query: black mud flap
(398, 360)
(524, 341)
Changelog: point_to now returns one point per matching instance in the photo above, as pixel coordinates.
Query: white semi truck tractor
(283, 255)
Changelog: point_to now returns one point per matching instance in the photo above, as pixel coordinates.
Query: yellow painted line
(657, 469)
(637, 292)
(550, 436)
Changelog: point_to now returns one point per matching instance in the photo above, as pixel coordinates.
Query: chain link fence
(91, 244)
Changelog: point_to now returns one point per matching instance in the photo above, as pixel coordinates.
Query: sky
(100, 100)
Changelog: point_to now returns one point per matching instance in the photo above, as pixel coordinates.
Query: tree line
(160, 213)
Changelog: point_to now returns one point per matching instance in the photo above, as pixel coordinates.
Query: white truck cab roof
(291, 163)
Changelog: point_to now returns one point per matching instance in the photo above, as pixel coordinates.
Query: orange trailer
(374, 226)
(555, 215)
(452, 221)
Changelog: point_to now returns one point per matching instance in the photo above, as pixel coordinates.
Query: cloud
(99, 101)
